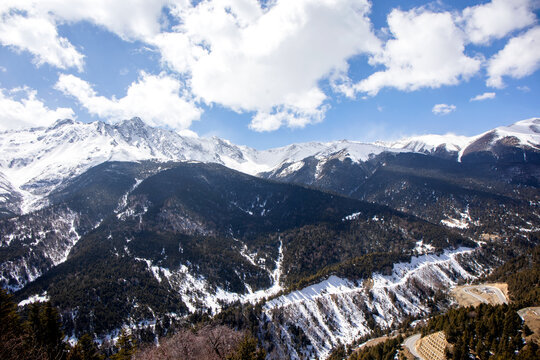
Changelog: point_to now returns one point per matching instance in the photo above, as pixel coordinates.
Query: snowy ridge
(524, 133)
(287, 160)
(338, 310)
(36, 161)
(429, 143)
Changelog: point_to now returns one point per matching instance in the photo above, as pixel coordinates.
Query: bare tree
(207, 343)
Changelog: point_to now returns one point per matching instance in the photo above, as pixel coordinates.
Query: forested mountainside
(196, 236)
(328, 244)
(485, 331)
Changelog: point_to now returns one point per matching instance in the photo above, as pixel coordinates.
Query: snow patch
(35, 298)
(351, 217)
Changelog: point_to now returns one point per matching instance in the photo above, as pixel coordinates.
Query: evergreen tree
(126, 347)
(247, 350)
(338, 353)
(46, 330)
(12, 339)
(85, 350)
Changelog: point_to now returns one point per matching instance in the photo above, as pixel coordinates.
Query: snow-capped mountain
(524, 134)
(126, 208)
(36, 161)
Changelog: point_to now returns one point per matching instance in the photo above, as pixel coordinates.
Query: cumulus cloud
(131, 20)
(159, 100)
(484, 96)
(20, 108)
(39, 36)
(426, 50)
(519, 58)
(443, 109)
(267, 61)
(270, 58)
(495, 19)
(32, 25)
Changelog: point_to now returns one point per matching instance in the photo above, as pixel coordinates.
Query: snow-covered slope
(35, 161)
(430, 143)
(527, 132)
(522, 134)
(339, 311)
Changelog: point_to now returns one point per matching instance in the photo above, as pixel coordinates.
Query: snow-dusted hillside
(340, 311)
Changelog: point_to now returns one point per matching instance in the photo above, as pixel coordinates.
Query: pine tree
(126, 347)
(46, 329)
(12, 339)
(85, 350)
(247, 350)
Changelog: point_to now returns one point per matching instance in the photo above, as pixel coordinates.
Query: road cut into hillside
(494, 294)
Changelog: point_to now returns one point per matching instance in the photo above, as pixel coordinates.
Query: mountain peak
(62, 122)
(134, 122)
(36, 161)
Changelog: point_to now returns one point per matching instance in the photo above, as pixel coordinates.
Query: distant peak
(62, 122)
(134, 122)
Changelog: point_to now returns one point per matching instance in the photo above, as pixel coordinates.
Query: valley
(308, 248)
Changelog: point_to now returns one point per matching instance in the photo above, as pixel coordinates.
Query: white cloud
(158, 99)
(496, 19)
(292, 117)
(443, 109)
(519, 58)
(484, 96)
(426, 50)
(39, 36)
(131, 20)
(31, 25)
(267, 61)
(20, 108)
(524, 88)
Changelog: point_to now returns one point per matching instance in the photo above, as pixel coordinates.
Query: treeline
(356, 248)
(486, 332)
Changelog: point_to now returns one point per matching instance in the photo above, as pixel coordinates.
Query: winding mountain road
(485, 288)
(410, 343)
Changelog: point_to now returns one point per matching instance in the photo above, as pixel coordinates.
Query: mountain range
(129, 225)
(39, 160)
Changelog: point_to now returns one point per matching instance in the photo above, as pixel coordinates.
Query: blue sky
(267, 75)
